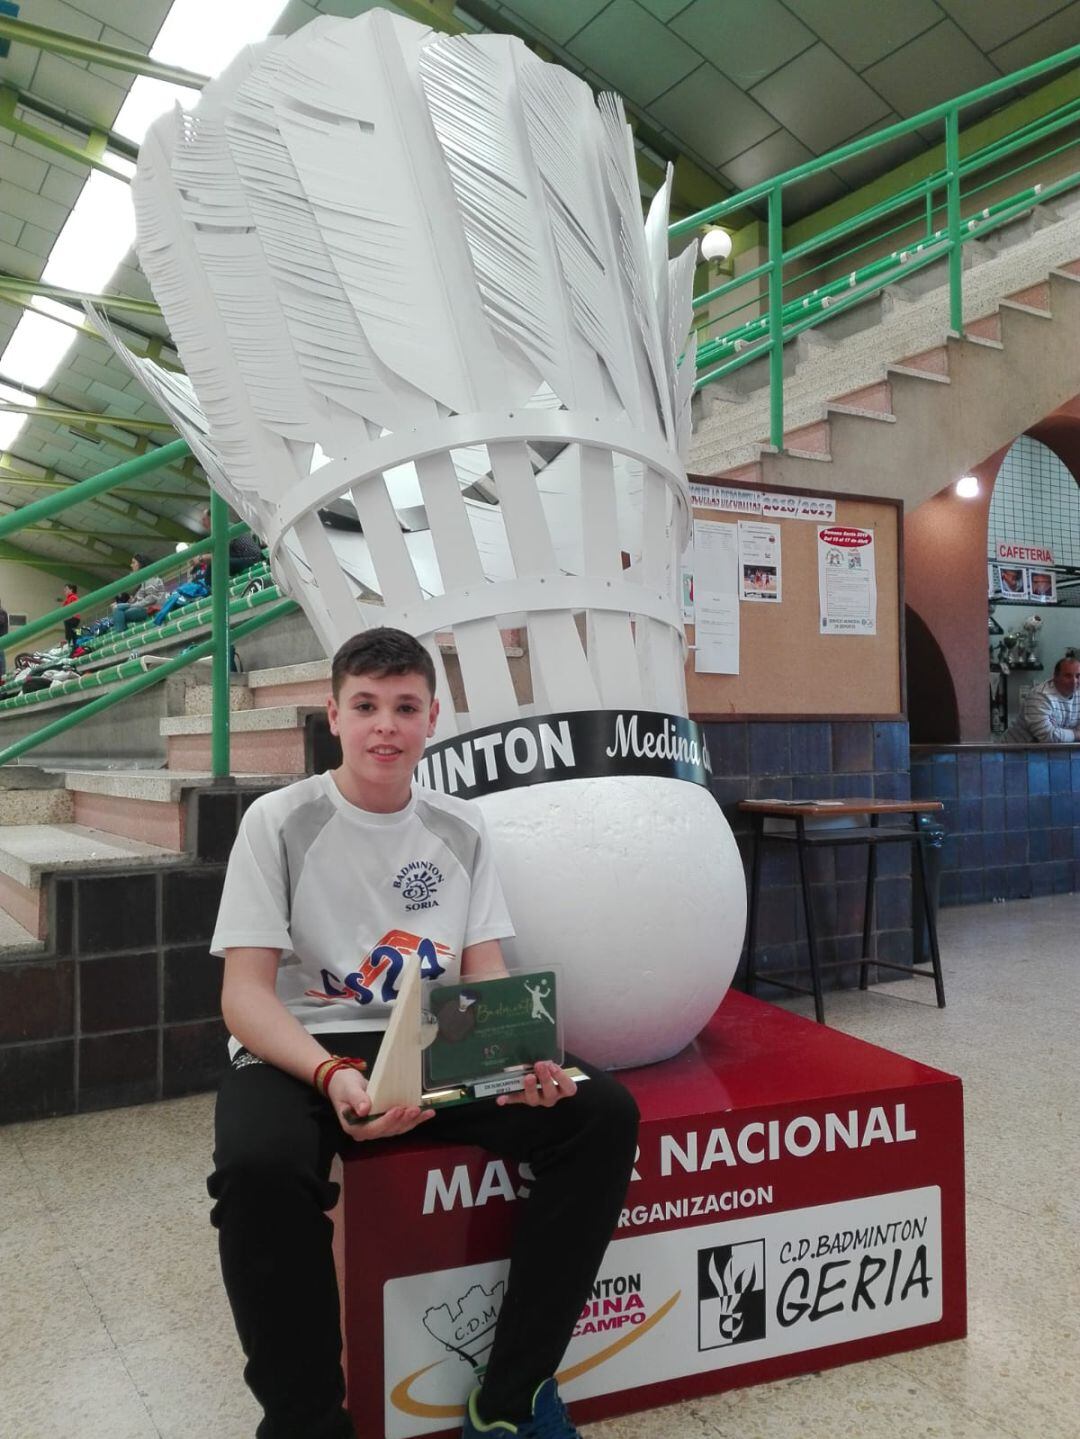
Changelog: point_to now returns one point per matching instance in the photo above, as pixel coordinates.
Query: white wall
(31, 592)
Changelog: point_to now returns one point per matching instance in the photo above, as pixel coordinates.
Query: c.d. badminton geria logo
(418, 882)
(467, 1328)
(731, 1294)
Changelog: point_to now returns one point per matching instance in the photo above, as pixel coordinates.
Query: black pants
(275, 1142)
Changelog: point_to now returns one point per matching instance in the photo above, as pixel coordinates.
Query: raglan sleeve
(254, 909)
(489, 917)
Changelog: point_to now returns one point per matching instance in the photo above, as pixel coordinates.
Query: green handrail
(95, 485)
(219, 643)
(754, 339)
(870, 142)
(144, 681)
(159, 567)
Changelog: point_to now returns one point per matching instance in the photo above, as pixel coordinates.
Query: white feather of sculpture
(365, 230)
(622, 182)
(351, 143)
(560, 118)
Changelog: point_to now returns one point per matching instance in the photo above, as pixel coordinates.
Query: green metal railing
(217, 646)
(940, 191)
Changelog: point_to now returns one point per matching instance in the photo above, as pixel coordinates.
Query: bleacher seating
(110, 658)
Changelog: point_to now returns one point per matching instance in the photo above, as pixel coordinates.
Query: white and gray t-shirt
(346, 895)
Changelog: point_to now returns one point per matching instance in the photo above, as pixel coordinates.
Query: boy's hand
(348, 1094)
(544, 1087)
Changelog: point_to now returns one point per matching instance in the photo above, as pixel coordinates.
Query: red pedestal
(798, 1203)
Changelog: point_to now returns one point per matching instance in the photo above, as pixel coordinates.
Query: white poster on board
(716, 598)
(759, 562)
(847, 580)
(686, 582)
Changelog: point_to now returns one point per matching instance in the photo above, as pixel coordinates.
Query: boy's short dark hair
(379, 652)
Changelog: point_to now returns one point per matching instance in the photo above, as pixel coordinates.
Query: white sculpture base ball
(634, 887)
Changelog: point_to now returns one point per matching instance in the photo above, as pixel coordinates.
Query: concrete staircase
(62, 818)
(887, 400)
(121, 815)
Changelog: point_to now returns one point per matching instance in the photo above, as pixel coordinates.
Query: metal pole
(952, 193)
(86, 489)
(776, 318)
(219, 613)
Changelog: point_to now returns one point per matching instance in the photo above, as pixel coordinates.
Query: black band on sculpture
(584, 744)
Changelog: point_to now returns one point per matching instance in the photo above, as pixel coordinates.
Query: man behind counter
(1050, 712)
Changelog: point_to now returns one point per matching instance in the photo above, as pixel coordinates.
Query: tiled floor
(113, 1322)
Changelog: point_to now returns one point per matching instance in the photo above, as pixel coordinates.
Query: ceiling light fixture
(967, 487)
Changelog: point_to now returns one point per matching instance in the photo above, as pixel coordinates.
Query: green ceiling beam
(15, 287)
(117, 502)
(188, 469)
(146, 347)
(101, 550)
(86, 419)
(44, 482)
(95, 52)
(13, 554)
(92, 151)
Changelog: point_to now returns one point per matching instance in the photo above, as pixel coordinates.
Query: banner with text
(679, 1302)
(581, 745)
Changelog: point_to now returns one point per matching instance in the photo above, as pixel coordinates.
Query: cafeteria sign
(1022, 554)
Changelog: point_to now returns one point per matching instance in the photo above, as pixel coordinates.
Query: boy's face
(383, 725)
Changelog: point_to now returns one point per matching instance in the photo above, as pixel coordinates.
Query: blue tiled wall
(819, 759)
(1012, 816)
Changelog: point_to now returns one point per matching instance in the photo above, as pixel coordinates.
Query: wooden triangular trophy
(396, 1075)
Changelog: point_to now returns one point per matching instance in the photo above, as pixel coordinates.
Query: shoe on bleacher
(549, 1419)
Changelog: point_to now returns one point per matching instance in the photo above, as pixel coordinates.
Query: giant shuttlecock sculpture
(434, 357)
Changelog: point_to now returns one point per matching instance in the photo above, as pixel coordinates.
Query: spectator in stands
(70, 597)
(309, 891)
(195, 587)
(1050, 712)
(146, 600)
(244, 551)
(4, 626)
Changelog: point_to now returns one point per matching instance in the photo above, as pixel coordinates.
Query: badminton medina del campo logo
(468, 1328)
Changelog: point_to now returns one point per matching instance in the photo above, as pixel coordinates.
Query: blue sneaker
(549, 1418)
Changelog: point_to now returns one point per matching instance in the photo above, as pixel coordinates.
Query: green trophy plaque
(477, 1038)
(488, 1034)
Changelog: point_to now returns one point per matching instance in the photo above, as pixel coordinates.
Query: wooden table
(806, 838)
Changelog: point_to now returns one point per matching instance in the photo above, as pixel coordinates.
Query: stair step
(29, 851)
(14, 939)
(199, 698)
(36, 806)
(918, 374)
(305, 684)
(268, 717)
(1032, 297)
(861, 412)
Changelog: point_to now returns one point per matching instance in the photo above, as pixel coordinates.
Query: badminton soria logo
(417, 883)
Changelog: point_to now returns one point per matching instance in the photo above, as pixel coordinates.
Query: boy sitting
(308, 895)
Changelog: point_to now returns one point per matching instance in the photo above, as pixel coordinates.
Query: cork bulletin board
(787, 668)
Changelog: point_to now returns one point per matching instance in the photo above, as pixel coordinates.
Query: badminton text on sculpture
(585, 744)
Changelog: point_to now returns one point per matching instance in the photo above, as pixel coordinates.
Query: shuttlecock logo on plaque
(435, 357)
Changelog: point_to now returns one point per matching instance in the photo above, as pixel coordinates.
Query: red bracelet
(329, 1067)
